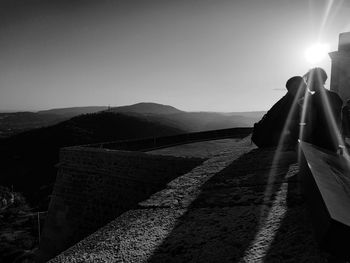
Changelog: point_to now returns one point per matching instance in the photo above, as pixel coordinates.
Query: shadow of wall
(294, 241)
(223, 222)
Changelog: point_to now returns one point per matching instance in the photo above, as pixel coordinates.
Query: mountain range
(17, 122)
(29, 157)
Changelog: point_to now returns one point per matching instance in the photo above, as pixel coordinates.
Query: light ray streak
(272, 174)
(333, 15)
(325, 18)
(267, 231)
(327, 110)
(265, 214)
(303, 116)
(329, 115)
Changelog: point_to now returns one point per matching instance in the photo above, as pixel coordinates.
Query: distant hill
(248, 114)
(202, 121)
(147, 108)
(28, 158)
(73, 111)
(190, 121)
(15, 122)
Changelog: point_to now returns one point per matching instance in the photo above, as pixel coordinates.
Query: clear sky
(208, 55)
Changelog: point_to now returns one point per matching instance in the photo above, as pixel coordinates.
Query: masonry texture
(241, 205)
(94, 186)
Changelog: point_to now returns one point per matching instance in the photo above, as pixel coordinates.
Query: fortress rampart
(97, 183)
(237, 206)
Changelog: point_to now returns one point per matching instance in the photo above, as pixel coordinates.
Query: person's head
(316, 78)
(296, 85)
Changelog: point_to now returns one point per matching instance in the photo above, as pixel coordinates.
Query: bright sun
(317, 52)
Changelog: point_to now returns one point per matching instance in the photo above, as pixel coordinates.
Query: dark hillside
(12, 123)
(16, 122)
(28, 159)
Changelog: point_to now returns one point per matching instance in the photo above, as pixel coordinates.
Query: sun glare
(317, 52)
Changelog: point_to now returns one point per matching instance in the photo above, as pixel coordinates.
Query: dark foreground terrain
(18, 227)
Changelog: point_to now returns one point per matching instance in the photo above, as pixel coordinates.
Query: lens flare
(317, 52)
(266, 215)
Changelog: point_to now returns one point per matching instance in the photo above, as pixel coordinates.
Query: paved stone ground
(206, 149)
(241, 205)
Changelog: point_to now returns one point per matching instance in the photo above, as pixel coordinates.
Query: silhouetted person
(322, 111)
(282, 119)
(346, 119)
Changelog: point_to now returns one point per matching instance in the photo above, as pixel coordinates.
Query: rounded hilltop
(146, 108)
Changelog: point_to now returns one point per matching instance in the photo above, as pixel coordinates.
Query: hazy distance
(194, 55)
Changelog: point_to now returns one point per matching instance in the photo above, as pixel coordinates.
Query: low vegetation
(18, 228)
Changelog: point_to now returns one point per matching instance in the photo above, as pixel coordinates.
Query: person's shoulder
(335, 96)
(279, 103)
(332, 93)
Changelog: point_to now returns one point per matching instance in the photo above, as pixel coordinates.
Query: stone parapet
(95, 185)
(243, 205)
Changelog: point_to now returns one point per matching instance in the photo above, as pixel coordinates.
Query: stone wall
(148, 144)
(95, 185)
(241, 205)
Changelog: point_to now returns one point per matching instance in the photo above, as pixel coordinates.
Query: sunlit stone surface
(218, 212)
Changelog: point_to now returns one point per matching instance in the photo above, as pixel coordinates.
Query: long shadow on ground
(293, 241)
(222, 223)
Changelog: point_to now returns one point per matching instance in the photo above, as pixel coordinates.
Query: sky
(196, 55)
